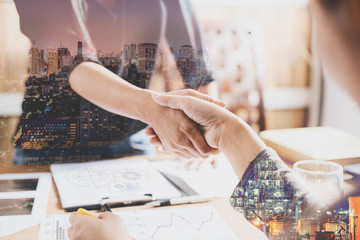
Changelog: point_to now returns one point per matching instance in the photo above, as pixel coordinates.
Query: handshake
(192, 124)
(195, 125)
(186, 122)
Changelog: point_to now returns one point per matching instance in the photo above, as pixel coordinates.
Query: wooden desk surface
(235, 220)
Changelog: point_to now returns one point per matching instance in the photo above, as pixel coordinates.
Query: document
(187, 223)
(23, 200)
(207, 180)
(121, 180)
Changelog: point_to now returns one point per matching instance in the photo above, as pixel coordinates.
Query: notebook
(121, 181)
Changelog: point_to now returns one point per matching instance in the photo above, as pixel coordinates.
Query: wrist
(230, 126)
(238, 134)
(146, 107)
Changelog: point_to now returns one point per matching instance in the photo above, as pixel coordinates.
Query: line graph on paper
(172, 223)
(192, 223)
(189, 223)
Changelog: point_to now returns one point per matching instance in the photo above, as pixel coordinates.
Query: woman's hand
(107, 226)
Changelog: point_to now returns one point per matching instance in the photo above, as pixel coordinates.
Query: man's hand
(222, 129)
(177, 133)
(107, 226)
(208, 113)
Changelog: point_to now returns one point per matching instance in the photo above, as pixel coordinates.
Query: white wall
(339, 110)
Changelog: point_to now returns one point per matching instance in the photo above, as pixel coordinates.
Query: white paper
(14, 223)
(201, 223)
(209, 181)
(83, 184)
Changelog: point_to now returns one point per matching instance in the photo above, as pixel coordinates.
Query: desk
(235, 220)
(318, 143)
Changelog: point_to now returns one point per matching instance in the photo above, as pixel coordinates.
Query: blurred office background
(263, 57)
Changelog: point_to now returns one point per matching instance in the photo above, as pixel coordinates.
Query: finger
(155, 141)
(184, 152)
(199, 142)
(72, 218)
(180, 152)
(76, 218)
(214, 163)
(194, 151)
(150, 131)
(190, 153)
(70, 233)
(197, 94)
(199, 163)
(189, 164)
(181, 155)
(106, 215)
(215, 151)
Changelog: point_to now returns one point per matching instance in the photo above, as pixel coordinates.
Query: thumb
(171, 101)
(105, 215)
(199, 95)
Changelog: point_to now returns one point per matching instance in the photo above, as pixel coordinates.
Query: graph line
(172, 215)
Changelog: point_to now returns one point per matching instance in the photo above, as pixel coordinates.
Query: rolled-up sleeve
(269, 191)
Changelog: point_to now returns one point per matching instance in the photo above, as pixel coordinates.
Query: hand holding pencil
(107, 226)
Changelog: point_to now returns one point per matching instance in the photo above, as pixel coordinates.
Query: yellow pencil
(85, 212)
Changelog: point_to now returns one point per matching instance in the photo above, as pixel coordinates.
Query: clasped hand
(203, 132)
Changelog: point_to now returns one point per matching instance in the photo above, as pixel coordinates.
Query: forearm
(240, 144)
(107, 90)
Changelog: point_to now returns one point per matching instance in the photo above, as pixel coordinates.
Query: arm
(251, 161)
(110, 92)
(107, 90)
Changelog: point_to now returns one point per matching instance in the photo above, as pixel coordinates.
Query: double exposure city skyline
(58, 125)
(55, 118)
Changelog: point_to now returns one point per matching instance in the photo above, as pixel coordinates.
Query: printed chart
(192, 223)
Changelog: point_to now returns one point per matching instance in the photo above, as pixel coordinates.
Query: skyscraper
(126, 52)
(147, 57)
(52, 61)
(36, 61)
(133, 51)
(186, 62)
(62, 51)
(80, 51)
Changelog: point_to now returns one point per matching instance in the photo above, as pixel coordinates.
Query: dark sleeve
(184, 31)
(269, 191)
